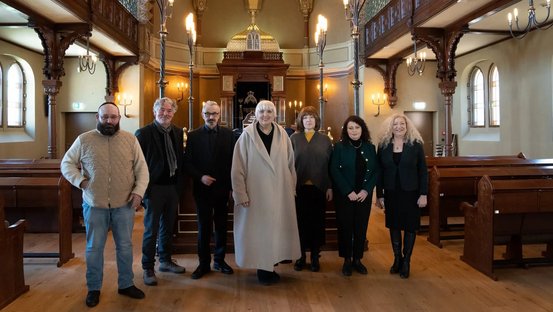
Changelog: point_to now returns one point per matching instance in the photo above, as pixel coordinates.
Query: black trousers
(352, 219)
(310, 211)
(212, 209)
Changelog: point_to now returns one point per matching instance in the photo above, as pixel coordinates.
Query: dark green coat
(342, 167)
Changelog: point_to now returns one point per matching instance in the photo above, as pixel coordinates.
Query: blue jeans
(159, 219)
(98, 221)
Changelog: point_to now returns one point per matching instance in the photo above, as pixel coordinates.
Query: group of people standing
(280, 186)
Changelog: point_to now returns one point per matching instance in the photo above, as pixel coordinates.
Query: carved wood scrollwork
(114, 67)
(55, 40)
(388, 75)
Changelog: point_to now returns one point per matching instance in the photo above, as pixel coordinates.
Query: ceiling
(13, 28)
(488, 28)
(485, 30)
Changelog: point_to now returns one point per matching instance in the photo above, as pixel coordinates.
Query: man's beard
(107, 129)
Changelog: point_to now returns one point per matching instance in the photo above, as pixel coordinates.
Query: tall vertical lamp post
(353, 10)
(191, 32)
(320, 41)
(165, 11)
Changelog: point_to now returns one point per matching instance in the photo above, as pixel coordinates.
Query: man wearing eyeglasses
(208, 159)
(109, 167)
(161, 142)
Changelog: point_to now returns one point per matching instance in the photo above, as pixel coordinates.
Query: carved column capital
(448, 87)
(55, 40)
(51, 87)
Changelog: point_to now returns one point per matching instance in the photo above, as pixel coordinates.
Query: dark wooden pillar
(55, 38)
(52, 88)
(444, 44)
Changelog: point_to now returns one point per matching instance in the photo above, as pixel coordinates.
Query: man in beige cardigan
(108, 165)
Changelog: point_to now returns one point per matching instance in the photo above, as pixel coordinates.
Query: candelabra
(416, 64)
(532, 20)
(296, 105)
(353, 11)
(87, 62)
(320, 41)
(181, 86)
(191, 32)
(165, 11)
(379, 100)
(125, 102)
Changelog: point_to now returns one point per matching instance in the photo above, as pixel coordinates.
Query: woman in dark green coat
(353, 168)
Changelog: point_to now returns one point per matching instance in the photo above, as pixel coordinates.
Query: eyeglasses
(107, 117)
(208, 114)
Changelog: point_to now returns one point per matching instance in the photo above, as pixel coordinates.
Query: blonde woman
(402, 186)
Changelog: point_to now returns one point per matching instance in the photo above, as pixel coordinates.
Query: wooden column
(444, 44)
(52, 88)
(55, 38)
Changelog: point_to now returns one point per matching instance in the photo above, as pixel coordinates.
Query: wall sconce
(125, 102)
(181, 86)
(379, 100)
(324, 90)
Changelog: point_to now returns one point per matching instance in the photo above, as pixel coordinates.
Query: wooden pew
(449, 187)
(472, 161)
(42, 168)
(21, 193)
(512, 213)
(11, 261)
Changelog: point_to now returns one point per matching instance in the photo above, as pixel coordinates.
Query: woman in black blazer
(402, 186)
(353, 168)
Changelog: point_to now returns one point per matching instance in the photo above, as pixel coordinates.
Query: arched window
(476, 98)
(16, 96)
(253, 41)
(494, 119)
(483, 98)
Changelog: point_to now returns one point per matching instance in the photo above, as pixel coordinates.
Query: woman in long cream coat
(263, 183)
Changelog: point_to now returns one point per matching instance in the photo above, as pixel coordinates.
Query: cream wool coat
(266, 232)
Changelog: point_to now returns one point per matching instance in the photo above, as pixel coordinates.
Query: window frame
(488, 90)
(22, 96)
(491, 87)
(471, 97)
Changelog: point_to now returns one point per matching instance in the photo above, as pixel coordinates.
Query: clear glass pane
(15, 96)
(494, 98)
(478, 99)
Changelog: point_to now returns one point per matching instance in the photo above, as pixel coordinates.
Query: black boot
(315, 265)
(359, 267)
(347, 267)
(408, 243)
(300, 263)
(395, 236)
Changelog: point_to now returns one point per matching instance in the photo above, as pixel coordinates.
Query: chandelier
(532, 20)
(87, 62)
(416, 64)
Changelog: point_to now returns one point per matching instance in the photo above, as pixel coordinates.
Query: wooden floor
(439, 282)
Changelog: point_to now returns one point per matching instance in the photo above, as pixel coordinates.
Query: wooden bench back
(508, 212)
